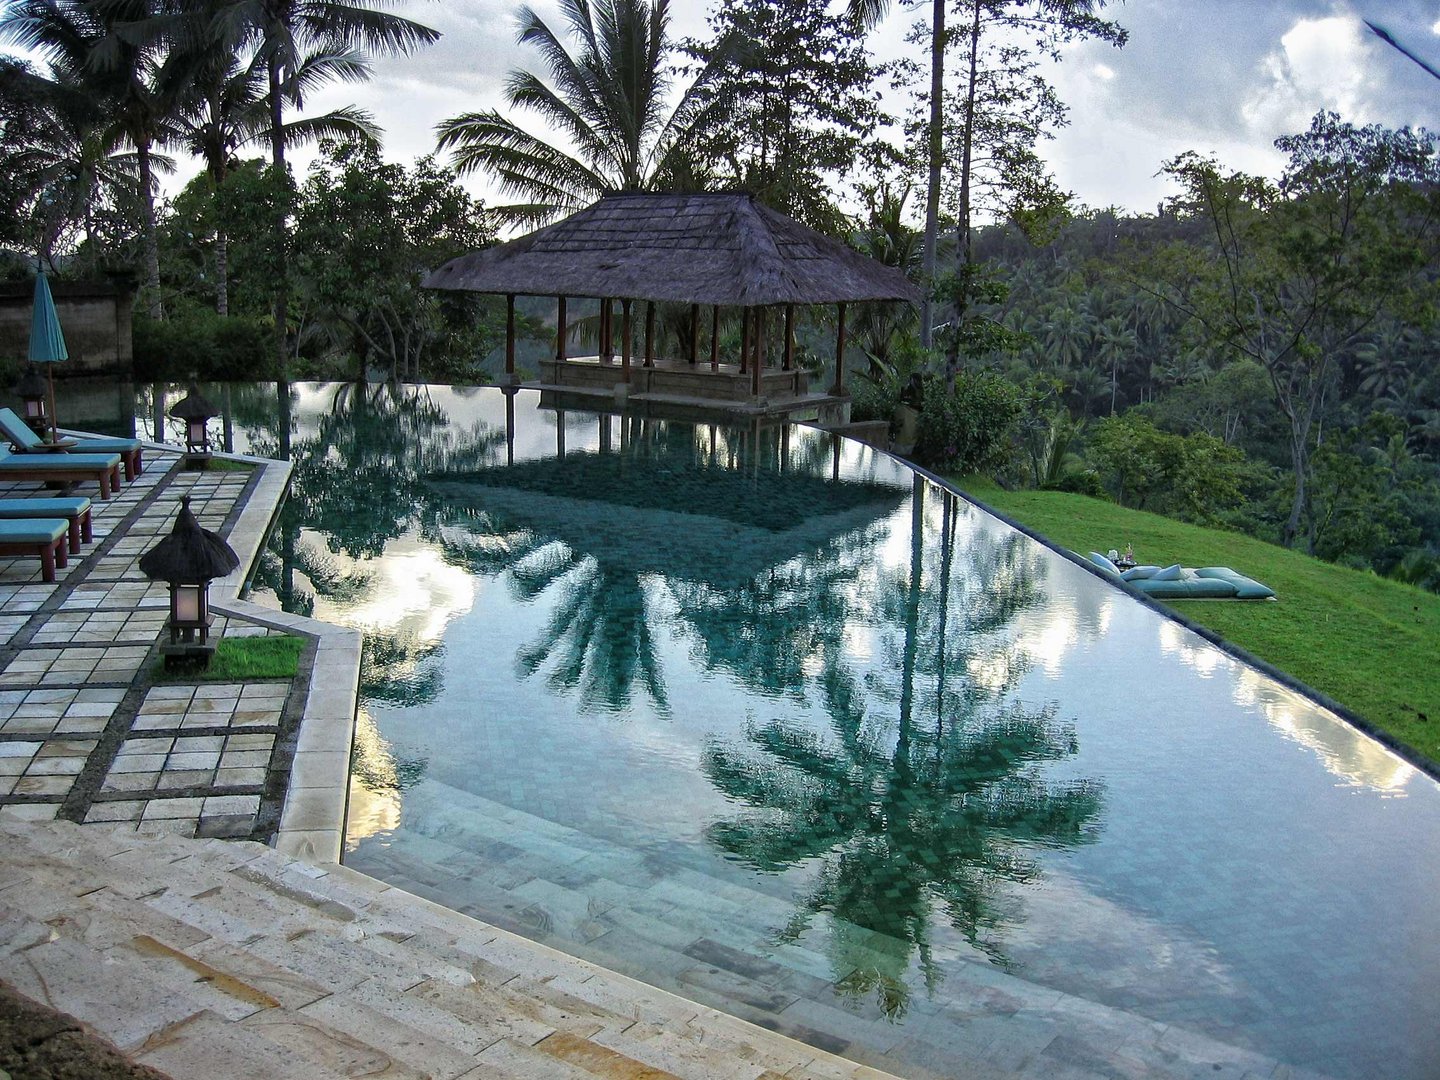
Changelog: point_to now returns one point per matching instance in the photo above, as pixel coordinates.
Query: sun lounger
(74, 510)
(1181, 583)
(36, 536)
(48, 468)
(27, 442)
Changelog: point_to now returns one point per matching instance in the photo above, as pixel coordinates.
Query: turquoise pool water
(769, 720)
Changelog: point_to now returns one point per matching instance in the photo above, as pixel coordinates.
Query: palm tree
(95, 47)
(223, 106)
(608, 99)
(285, 34)
(61, 159)
(1115, 344)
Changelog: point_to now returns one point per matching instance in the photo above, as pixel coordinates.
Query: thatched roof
(700, 249)
(190, 555)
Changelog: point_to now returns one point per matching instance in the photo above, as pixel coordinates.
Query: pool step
(193, 956)
(712, 939)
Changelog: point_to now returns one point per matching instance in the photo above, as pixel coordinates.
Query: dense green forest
(1257, 354)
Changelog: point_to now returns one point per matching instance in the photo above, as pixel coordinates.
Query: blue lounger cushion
(61, 506)
(75, 509)
(1139, 573)
(1173, 572)
(19, 433)
(1245, 588)
(56, 462)
(1104, 563)
(27, 442)
(32, 530)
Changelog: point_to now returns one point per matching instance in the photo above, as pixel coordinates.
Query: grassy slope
(1369, 643)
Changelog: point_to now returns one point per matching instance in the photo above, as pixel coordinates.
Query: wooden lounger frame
(51, 552)
(109, 477)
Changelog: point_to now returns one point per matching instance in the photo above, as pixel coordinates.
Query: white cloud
(1321, 63)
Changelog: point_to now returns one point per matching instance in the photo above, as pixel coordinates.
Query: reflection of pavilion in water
(657, 505)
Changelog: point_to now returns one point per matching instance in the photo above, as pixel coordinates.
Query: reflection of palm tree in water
(906, 823)
(598, 637)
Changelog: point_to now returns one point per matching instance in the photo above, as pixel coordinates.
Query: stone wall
(94, 317)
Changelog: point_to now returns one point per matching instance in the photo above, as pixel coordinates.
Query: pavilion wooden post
(758, 363)
(715, 338)
(694, 334)
(607, 341)
(510, 392)
(625, 339)
(789, 361)
(510, 337)
(649, 333)
(744, 339)
(838, 390)
(560, 329)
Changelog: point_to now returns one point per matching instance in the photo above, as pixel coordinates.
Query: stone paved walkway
(86, 732)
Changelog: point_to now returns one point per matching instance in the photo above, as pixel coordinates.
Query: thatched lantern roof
(190, 555)
(722, 249)
(193, 406)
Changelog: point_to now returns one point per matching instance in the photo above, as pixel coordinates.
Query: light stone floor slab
(193, 956)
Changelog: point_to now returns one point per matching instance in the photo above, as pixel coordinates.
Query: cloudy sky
(1219, 76)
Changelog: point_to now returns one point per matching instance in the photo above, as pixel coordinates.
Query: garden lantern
(31, 392)
(197, 413)
(188, 560)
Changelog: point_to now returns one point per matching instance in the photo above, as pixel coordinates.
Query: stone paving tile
(121, 595)
(217, 705)
(98, 626)
(168, 763)
(73, 666)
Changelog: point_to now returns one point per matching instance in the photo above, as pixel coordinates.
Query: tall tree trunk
(154, 304)
(964, 252)
(222, 271)
(282, 236)
(1300, 461)
(937, 160)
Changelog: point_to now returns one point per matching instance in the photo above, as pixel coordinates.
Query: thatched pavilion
(716, 250)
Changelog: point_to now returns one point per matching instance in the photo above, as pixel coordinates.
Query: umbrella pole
(50, 386)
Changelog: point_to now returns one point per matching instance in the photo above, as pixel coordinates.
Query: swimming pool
(769, 720)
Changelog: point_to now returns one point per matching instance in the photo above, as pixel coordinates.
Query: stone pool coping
(312, 820)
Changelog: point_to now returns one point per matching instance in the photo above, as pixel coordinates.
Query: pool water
(765, 718)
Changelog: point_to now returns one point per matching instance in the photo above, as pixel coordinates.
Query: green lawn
(243, 658)
(1369, 643)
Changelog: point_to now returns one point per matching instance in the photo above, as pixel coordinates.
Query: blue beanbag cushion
(1140, 573)
(1104, 563)
(1245, 588)
(1170, 573)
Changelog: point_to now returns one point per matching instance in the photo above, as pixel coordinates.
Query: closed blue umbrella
(47, 342)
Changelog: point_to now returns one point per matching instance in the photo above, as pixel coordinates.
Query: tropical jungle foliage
(1256, 354)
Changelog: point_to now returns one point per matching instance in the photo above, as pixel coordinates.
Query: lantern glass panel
(189, 604)
(34, 408)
